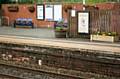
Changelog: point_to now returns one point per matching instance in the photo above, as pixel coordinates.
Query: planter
(104, 38)
(60, 28)
(31, 9)
(13, 8)
(60, 34)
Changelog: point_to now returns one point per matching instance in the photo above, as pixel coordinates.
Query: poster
(40, 12)
(49, 12)
(73, 13)
(57, 12)
(83, 22)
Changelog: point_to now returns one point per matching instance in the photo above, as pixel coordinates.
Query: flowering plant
(107, 33)
(60, 26)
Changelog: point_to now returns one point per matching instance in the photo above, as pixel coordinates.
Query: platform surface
(46, 37)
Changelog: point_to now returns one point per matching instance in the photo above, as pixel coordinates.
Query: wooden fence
(105, 21)
(100, 20)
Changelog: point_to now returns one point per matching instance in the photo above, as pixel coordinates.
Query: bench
(23, 22)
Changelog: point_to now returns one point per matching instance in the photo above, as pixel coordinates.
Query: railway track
(58, 63)
(23, 73)
(8, 77)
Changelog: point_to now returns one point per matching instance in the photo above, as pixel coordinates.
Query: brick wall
(24, 13)
(104, 6)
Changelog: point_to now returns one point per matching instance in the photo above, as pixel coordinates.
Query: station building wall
(24, 13)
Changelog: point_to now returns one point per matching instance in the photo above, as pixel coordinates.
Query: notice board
(49, 12)
(57, 12)
(83, 22)
(40, 12)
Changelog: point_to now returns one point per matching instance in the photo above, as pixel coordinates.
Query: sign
(40, 62)
(58, 12)
(73, 13)
(49, 12)
(40, 12)
(83, 22)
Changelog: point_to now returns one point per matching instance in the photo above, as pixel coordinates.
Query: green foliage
(68, 1)
(112, 34)
(39, 1)
(4, 1)
(14, 1)
(100, 1)
(61, 28)
(25, 1)
(80, 1)
(107, 33)
(58, 28)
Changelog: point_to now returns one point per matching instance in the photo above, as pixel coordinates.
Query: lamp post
(83, 4)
